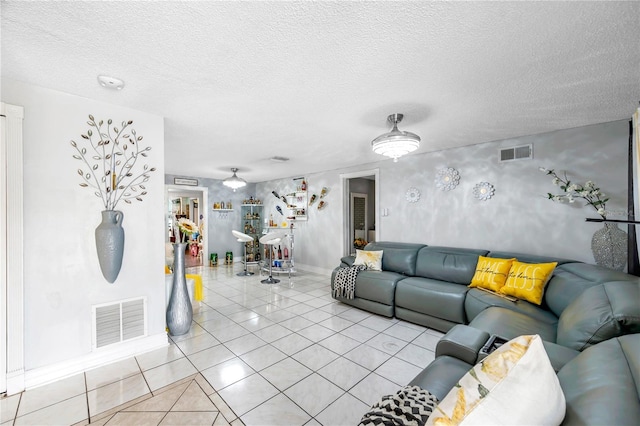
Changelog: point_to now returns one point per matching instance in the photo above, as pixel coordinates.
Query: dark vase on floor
(110, 244)
(179, 310)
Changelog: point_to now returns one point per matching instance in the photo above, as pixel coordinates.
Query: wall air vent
(524, 152)
(119, 321)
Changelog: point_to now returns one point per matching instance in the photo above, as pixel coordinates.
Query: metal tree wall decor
(112, 165)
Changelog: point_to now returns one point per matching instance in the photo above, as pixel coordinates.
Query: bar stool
(244, 239)
(270, 240)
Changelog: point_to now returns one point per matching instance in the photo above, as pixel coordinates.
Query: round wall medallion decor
(412, 195)
(447, 178)
(483, 191)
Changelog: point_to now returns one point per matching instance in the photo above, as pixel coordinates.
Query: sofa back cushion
(571, 279)
(600, 313)
(397, 257)
(455, 265)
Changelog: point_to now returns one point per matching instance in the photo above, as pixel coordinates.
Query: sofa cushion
(510, 324)
(378, 286)
(601, 384)
(432, 297)
(454, 265)
(571, 279)
(491, 273)
(528, 280)
(528, 258)
(514, 385)
(478, 300)
(600, 313)
(398, 257)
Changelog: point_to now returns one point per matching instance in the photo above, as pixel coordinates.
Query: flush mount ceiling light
(110, 82)
(234, 182)
(396, 143)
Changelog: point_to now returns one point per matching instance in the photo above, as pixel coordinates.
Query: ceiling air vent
(524, 152)
(119, 321)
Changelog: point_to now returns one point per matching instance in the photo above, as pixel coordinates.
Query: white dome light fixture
(234, 182)
(395, 143)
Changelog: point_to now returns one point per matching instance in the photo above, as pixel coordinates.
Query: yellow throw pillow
(527, 280)
(515, 385)
(371, 259)
(491, 273)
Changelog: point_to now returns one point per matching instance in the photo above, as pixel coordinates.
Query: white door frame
(202, 209)
(11, 261)
(347, 242)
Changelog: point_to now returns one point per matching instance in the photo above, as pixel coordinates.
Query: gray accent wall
(518, 218)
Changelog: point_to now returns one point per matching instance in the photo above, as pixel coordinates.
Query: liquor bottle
(286, 253)
(304, 185)
(279, 253)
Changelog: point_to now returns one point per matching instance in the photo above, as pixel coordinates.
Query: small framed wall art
(185, 181)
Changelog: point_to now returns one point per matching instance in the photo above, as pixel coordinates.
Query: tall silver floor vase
(110, 244)
(179, 310)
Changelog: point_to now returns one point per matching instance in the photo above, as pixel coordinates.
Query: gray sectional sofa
(589, 320)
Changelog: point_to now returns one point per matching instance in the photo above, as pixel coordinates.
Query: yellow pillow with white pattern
(371, 259)
(491, 273)
(527, 280)
(514, 385)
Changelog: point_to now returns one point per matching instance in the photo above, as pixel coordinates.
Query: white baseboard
(107, 355)
(314, 269)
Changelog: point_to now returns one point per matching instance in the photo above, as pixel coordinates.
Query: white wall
(518, 218)
(62, 277)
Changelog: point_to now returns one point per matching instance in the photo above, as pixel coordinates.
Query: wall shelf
(223, 213)
(628, 222)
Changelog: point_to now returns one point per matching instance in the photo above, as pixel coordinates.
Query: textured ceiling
(240, 82)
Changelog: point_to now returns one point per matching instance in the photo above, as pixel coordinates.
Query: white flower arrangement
(572, 191)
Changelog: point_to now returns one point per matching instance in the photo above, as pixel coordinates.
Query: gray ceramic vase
(179, 310)
(609, 246)
(110, 244)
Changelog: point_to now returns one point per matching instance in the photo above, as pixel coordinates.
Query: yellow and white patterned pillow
(371, 259)
(527, 280)
(514, 385)
(491, 273)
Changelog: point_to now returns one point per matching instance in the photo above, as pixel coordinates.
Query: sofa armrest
(462, 342)
(347, 261)
(441, 375)
(559, 355)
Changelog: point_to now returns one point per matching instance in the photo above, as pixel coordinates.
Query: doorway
(190, 203)
(359, 223)
(361, 206)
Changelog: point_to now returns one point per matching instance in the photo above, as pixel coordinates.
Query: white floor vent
(524, 152)
(119, 321)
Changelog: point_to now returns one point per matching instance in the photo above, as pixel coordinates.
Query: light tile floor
(256, 354)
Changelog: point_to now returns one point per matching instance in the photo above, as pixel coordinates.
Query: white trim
(348, 244)
(313, 269)
(203, 210)
(12, 279)
(107, 355)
